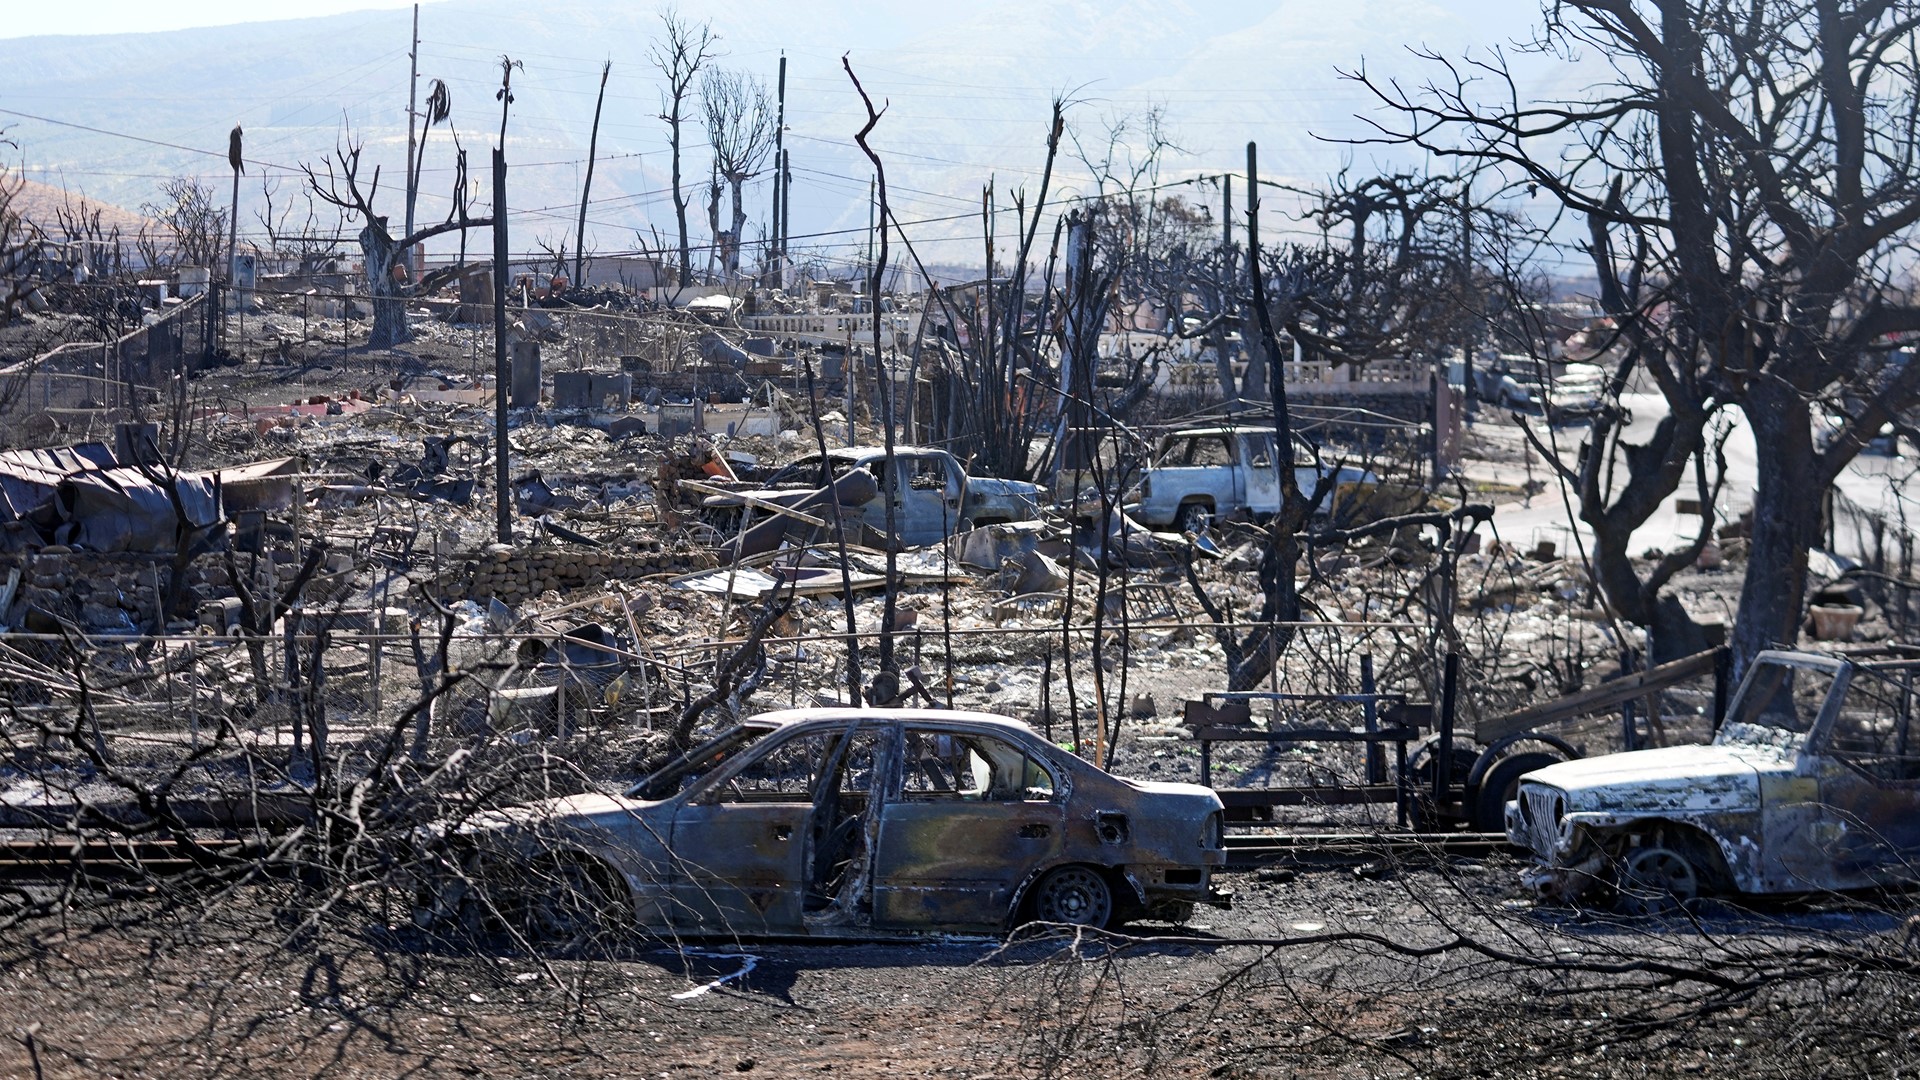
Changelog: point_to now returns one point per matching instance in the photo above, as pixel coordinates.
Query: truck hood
(1701, 778)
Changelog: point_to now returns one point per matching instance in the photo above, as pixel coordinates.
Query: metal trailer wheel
(1656, 880)
(1422, 814)
(1075, 895)
(1497, 786)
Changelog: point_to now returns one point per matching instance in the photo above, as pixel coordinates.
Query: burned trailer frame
(1469, 784)
(1430, 790)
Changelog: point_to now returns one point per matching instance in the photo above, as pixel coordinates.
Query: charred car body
(933, 497)
(846, 823)
(1811, 783)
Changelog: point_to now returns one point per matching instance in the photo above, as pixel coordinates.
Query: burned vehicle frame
(838, 823)
(1812, 783)
(933, 496)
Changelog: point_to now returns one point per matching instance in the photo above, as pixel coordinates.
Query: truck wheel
(1656, 880)
(1193, 518)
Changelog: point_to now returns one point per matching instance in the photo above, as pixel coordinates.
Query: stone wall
(101, 591)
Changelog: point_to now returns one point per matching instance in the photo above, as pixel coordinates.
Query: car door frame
(944, 862)
(1867, 821)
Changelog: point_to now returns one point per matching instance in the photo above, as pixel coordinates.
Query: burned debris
(521, 608)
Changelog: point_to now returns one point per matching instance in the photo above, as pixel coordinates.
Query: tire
(1075, 896)
(563, 903)
(1655, 880)
(1489, 809)
(1193, 518)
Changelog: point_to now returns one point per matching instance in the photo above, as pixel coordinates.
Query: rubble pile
(332, 487)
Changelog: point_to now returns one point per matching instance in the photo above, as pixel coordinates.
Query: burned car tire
(563, 903)
(1655, 880)
(1074, 895)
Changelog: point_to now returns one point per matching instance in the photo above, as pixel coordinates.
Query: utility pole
(785, 180)
(1223, 363)
(413, 88)
(239, 165)
(1467, 342)
(872, 300)
(503, 522)
(1226, 211)
(774, 251)
(593, 146)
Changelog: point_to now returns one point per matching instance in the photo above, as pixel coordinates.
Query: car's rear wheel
(1074, 895)
(1655, 880)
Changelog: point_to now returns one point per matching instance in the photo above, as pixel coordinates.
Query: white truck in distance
(1202, 474)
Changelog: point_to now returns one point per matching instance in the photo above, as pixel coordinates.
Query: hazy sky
(26, 18)
(967, 93)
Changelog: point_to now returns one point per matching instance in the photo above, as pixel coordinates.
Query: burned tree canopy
(1752, 186)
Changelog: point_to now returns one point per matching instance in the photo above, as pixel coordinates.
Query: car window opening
(972, 767)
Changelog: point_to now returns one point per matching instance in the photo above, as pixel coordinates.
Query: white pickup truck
(1201, 474)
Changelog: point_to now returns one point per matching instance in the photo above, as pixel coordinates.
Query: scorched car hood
(1673, 777)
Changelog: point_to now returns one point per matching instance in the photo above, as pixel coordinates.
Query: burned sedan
(847, 823)
(1812, 783)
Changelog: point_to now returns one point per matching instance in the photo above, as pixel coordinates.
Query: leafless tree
(95, 246)
(553, 254)
(193, 225)
(1751, 184)
(297, 234)
(740, 116)
(995, 394)
(19, 244)
(680, 56)
(381, 250)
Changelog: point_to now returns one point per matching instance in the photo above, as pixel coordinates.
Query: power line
(152, 142)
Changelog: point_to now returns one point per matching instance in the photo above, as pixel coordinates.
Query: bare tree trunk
(389, 307)
(680, 210)
(586, 187)
(1786, 522)
(739, 227)
(713, 221)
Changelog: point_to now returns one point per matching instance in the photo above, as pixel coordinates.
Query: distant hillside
(967, 94)
(41, 204)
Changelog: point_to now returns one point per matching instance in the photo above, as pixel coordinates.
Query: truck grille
(1540, 809)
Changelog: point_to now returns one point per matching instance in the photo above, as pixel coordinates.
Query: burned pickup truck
(933, 497)
(1812, 783)
(1202, 474)
(842, 823)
